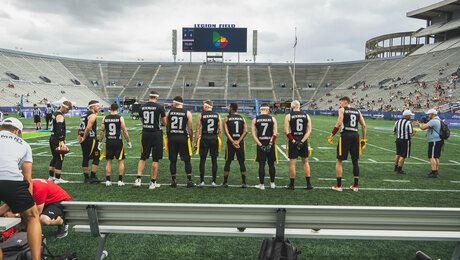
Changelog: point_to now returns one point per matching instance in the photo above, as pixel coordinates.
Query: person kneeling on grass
(48, 197)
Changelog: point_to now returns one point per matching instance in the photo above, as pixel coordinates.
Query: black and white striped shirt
(403, 129)
(49, 111)
(37, 112)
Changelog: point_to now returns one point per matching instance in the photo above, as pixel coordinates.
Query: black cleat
(401, 172)
(309, 187)
(244, 185)
(173, 184)
(225, 185)
(289, 187)
(432, 175)
(190, 184)
(86, 180)
(396, 168)
(94, 180)
(63, 230)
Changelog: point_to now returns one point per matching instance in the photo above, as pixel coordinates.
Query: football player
(113, 125)
(210, 140)
(235, 129)
(264, 130)
(297, 127)
(88, 141)
(349, 141)
(179, 131)
(37, 117)
(152, 116)
(57, 139)
(48, 114)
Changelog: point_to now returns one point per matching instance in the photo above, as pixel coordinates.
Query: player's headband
(154, 95)
(264, 108)
(177, 102)
(64, 105)
(207, 105)
(95, 104)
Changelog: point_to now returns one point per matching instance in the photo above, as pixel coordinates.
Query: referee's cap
(408, 113)
(13, 122)
(432, 111)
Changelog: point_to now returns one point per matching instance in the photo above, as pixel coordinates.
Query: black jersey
(37, 112)
(350, 119)
(54, 134)
(151, 114)
(112, 125)
(177, 119)
(235, 126)
(84, 123)
(209, 123)
(298, 124)
(48, 111)
(264, 126)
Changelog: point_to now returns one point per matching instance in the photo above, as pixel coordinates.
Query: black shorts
(114, 149)
(209, 143)
(179, 144)
(348, 143)
(49, 117)
(152, 142)
(89, 148)
(230, 152)
(434, 149)
(53, 210)
(403, 147)
(55, 143)
(269, 156)
(16, 194)
(37, 119)
(293, 153)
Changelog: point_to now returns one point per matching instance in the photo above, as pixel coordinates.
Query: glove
(363, 143)
(263, 148)
(299, 145)
(329, 139)
(268, 148)
(129, 145)
(100, 146)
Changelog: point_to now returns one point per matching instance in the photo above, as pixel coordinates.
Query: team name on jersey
(177, 113)
(298, 116)
(351, 112)
(261, 120)
(210, 116)
(149, 108)
(235, 119)
(112, 120)
(14, 138)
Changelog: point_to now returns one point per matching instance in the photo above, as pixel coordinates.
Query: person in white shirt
(16, 180)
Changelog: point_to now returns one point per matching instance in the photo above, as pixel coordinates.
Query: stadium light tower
(174, 44)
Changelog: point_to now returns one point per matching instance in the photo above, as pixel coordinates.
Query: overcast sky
(129, 30)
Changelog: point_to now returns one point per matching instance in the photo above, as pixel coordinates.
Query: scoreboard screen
(214, 39)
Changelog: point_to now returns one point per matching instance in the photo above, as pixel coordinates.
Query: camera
(423, 119)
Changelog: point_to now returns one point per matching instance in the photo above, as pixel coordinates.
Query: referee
(404, 131)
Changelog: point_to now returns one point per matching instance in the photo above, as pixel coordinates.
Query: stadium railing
(291, 221)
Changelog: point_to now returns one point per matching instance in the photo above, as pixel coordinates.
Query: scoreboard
(214, 39)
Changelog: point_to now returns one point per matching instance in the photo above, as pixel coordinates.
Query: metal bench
(7, 223)
(291, 221)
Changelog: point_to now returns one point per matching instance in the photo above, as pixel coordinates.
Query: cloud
(128, 30)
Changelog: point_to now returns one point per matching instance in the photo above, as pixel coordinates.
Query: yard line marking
(281, 151)
(376, 146)
(374, 161)
(455, 181)
(454, 161)
(327, 148)
(316, 159)
(416, 158)
(281, 187)
(397, 180)
(329, 179)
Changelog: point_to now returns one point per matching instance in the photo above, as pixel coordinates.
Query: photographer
(435, 142)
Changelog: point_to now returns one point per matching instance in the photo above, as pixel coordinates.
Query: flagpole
(293, 78)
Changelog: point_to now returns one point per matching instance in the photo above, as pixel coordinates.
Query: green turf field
(379, 186)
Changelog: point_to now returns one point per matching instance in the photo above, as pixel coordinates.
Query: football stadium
(407, 205)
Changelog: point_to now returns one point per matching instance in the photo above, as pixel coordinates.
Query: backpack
(444, 133)
(275, 249)
(17, 248)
